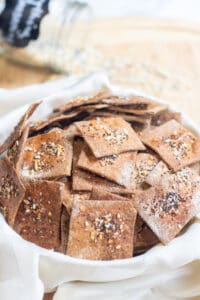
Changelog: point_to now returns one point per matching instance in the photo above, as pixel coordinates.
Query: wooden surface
(155, 56)
(159, 57)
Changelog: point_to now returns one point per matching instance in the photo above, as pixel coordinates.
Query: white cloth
(164, 272)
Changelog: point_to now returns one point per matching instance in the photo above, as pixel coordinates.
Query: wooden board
(159, 57)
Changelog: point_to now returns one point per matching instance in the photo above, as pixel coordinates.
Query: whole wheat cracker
(85, 181)
(38, 217)
(176, 145)
(101, 232)
(117, 168)
(109, 136)
(151, 110)
(169, 206)
(48, 155)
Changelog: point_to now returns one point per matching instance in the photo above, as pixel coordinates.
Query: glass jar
(62, 35)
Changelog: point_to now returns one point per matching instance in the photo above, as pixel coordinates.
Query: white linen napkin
(26, 270)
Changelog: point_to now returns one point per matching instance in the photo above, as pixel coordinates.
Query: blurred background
(151, 45)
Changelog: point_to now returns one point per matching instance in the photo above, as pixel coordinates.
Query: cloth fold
(164, 272)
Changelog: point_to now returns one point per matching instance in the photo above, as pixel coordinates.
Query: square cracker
(47, 156)
(177, 146)
(169, 206)
(108, 136)
(102, 232)
(99, 194)
(118, 168)
(11, 190)
(86, 181)
(38, 217)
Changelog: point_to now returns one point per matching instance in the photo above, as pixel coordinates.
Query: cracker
(38, 218)
(64, 230)
(14, 153)
(137, 102)
(17, 131)
(117, 168)
(11, 190)
(67, 199)
(145, 238)
(169, 206)
(99, 194)
(151, 110)
(47, 156)
(92, 107)
(165, 117)
(82, 100)
(102, 232)
(177, 146)
(86, 181)
(39, 125)
(126, 117)
(109, 136)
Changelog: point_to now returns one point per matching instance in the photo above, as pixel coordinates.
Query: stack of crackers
(104, 177)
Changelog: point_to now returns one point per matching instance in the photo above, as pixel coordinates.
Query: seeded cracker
(11, 191)
(177, 146)
(102, 232)
(47, 156)
(38, 218)
(118, 168)
(144, 236)
(109, 136)
(16, 133)
(169, 206)
(86, 181)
